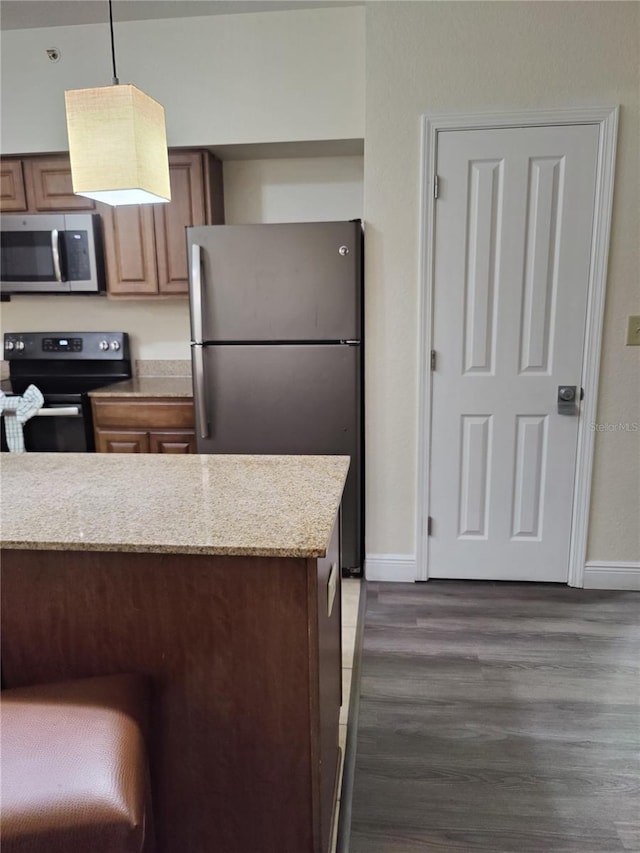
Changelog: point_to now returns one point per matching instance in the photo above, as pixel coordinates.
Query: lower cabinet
(143, 425)
(172, 442)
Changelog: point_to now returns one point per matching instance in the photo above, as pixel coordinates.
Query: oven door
(62, 425)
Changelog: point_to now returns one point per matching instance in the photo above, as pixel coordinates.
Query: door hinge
(435, 186)
(433, 359)
(429, 525)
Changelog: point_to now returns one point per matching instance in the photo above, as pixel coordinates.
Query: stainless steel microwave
(51, 253)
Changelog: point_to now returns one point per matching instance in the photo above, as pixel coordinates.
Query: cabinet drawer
(150, 414)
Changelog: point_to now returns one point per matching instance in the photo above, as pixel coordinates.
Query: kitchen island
(216, 577)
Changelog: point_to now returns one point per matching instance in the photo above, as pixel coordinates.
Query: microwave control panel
(76, 245)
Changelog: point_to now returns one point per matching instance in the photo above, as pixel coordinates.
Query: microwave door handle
(55, 253)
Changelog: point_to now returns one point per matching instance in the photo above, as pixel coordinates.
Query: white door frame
(607, 119)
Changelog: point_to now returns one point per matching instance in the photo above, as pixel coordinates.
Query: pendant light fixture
(117, 142)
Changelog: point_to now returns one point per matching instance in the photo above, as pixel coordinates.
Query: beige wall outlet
(633, 331)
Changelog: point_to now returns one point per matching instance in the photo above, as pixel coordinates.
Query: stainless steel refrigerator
(276, 343)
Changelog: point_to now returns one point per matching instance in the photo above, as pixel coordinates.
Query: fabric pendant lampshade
(117, 145)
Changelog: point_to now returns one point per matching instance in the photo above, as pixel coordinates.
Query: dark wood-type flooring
(498, 717)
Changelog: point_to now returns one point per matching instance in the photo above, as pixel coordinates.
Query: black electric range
(65, 366)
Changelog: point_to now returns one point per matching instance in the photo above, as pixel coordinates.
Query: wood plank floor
(498, 717)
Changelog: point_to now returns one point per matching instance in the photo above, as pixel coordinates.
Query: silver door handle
(55, 254)
(202, 422)
(567, 399)
(196, 293)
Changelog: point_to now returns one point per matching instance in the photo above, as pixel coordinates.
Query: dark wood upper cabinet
(187, 207)
(49, 185)
(40, 184)
(129, 246)
(13, 196)
(145, 245)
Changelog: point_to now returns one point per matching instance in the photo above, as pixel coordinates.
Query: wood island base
(244, 659)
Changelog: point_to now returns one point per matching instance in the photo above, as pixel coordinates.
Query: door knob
(567, 397)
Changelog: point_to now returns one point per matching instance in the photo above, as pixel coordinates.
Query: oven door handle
(59, 412)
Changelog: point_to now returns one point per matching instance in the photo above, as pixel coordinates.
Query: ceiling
(24, 14)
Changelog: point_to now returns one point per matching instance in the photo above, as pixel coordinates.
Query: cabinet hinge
(435, 186)
(429, 525)
(433, 359)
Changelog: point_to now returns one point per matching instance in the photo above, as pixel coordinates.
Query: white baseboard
(402, 568)
(611, 575)
(391, 567)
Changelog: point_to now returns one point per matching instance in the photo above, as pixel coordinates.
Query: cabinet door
(122, 441)
(130, 250)
(13, 197)
(172, 442)
(187, 207)
(49, 185)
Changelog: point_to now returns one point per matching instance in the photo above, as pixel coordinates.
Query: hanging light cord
(113, 47)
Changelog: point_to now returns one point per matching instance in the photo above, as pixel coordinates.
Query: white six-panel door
(513, 231)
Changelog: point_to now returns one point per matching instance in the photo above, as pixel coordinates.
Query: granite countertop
(269, 506)
(148, 386)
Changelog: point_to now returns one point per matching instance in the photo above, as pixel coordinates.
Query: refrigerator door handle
(202, 423)
(195, 284)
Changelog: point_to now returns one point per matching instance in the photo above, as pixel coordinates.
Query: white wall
(294, 190)
(435, 57)
(257, 77)
(157, 330)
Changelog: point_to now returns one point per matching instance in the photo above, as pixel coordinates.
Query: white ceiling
(23, 14)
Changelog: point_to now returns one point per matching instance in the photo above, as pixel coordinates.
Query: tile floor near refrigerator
(350, 605)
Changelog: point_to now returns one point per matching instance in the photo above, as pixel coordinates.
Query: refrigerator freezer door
(278, 282)
(289, 399)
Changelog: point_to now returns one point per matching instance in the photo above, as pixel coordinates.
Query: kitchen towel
(19, 409)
